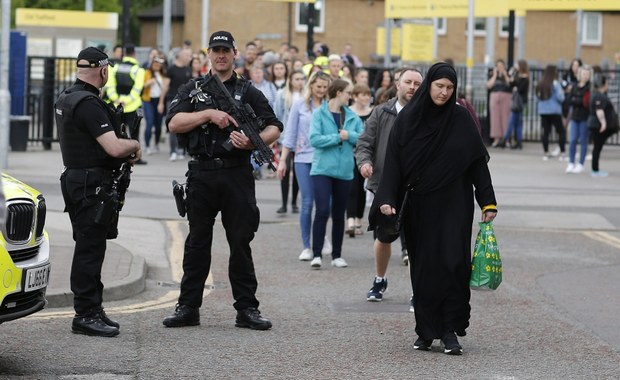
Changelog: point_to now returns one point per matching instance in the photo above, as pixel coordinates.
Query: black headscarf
(422, 126)
(430, 146)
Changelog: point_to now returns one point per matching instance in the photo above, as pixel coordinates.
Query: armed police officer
(92, 154)
(220, 179)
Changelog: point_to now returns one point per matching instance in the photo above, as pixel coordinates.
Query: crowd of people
(567, 104)
(412, 143)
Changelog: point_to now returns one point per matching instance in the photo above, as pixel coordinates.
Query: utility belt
(104, 175)
(98, 184)
(214, 163)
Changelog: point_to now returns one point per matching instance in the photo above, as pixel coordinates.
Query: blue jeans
(328, 192)
(153, 121)
(302, 171)
(515, 122)
(578, 134)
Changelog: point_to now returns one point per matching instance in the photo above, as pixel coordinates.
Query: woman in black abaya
(436, 152)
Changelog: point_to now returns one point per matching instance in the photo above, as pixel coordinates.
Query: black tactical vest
(207, 139)
(79, 148)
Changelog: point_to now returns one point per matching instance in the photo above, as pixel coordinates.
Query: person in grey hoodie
(370, 155)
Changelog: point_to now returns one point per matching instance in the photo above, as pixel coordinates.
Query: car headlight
(41, 211)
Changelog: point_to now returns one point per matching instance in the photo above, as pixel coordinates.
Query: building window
(480, 26)
(441, 23)
(592, 28)
(503, 27)
(301, 17)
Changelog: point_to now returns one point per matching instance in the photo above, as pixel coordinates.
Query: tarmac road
(553, 317)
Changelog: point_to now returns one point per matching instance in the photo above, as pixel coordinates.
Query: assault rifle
(122, 176)
(249, 125)
(112, 201)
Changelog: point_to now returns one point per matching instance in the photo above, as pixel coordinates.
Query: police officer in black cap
(91, 153)
(219, 179)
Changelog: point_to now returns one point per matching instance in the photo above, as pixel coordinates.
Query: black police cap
(95, 57)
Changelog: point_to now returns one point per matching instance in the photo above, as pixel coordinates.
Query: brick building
(550, 37)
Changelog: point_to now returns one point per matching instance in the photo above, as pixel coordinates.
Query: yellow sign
(566, 5)
(66, 19)
(395, 41)
(495, 8)
(418, 42)
(447, 8)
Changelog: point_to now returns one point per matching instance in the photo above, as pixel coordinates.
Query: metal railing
(49, 76)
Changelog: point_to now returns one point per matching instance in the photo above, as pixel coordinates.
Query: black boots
(183, 316)
(95, 323)
(103, 316)
(252, 319)
(189, 316)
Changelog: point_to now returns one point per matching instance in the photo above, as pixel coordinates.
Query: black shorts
(383, 237)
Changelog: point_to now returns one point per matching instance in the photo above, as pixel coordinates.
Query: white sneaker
(569, 168)
(339, 263)
(149, 151)
(316, 263)
(546, 157)
(562, 157)
(578, 169)
(306, 255)
(327, 247)
(181, 156)
(555, 152)
(173, 156)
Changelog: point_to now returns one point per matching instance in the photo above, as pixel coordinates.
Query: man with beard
(370, 156)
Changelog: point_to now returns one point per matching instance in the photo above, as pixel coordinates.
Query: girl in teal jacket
(333, 134)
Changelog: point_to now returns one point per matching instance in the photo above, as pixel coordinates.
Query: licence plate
(36, 278)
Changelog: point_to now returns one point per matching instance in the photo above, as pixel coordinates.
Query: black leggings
(546, 121)
(284, 184)
(599, 140)
(357, 199)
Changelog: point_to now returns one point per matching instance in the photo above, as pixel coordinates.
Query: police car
(24, 252)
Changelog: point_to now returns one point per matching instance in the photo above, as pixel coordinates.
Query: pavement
(533, 195)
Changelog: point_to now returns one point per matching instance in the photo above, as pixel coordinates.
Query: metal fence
(49, 76)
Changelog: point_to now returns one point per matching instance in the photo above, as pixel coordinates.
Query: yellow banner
(447, 8)
(566, 5)
(425, 8)
(418, 42)
(67, 19)
(395, 42)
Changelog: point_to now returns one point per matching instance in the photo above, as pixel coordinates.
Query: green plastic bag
(486, 265)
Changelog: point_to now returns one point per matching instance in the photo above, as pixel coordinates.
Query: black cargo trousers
(79, 191)
(210, 190)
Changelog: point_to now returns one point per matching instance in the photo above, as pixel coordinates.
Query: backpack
(124, 80)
